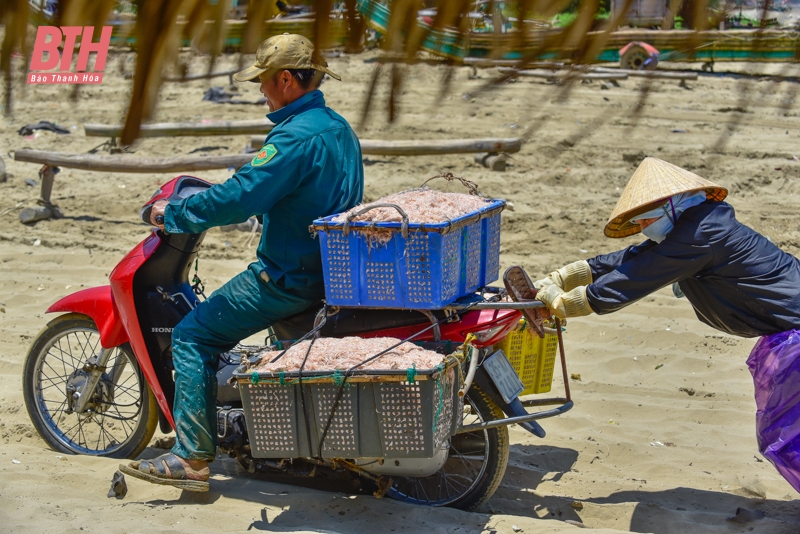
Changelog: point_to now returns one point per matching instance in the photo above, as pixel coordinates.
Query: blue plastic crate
(431, 267)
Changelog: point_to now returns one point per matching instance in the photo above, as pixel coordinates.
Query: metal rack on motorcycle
(550, 340)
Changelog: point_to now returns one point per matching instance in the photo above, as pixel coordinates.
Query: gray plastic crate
(379, 415)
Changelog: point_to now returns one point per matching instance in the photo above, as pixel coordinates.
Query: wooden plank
(90, 162)
(427, 147)
(170, 129)
(564, 75)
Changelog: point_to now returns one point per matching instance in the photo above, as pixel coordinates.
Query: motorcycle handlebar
(531, 304)
(176, 189)
(144, 214)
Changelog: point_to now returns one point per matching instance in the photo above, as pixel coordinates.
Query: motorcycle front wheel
(474, 468)
(120, 417)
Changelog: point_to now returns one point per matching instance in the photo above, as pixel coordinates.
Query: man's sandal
(166, 470)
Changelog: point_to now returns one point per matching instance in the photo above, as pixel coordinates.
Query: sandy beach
(661, 438)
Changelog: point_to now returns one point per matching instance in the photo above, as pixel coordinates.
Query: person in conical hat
(736, 280)
(310, 165)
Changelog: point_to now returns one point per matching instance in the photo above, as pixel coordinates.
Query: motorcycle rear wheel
(122, 415)
(474, 468)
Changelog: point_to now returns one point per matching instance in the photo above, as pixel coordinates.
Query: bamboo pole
(487, 63)
(89, 162)
(193, 77)
(202, 76)
(170, 129)
(656, 74)
(427, 147)
(432, 146)
(565, 75)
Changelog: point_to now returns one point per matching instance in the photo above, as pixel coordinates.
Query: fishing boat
(769, 45)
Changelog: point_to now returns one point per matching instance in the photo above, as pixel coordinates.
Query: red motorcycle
(98, 379)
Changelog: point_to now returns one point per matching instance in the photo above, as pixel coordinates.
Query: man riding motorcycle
(310, 165)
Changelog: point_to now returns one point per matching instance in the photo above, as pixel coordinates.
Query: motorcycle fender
(97, 303)
(511, 409)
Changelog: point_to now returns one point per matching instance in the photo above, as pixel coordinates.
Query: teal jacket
(309, 167)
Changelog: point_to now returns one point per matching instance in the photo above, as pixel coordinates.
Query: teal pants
(242, 307)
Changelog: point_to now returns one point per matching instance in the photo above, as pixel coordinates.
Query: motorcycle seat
(349, 321)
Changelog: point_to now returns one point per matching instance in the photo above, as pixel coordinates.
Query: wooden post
(45, 209)
(496, 162)
(47, 174)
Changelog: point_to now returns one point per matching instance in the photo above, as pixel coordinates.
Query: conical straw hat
(651, 185)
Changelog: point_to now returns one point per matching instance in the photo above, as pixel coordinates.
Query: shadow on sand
(339, 502)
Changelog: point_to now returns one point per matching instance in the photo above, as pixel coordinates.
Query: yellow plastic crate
(532, 357)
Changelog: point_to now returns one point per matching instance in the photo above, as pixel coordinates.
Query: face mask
(659, 229)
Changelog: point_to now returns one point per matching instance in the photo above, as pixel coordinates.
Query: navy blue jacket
(309, 167)
(735, 278)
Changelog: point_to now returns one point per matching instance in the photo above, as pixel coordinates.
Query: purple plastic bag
(775, 366)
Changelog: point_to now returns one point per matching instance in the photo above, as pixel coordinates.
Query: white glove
(544, 282)
(563, 304)
(568, 277)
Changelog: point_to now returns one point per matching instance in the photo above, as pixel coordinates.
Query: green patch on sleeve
(264, 155)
